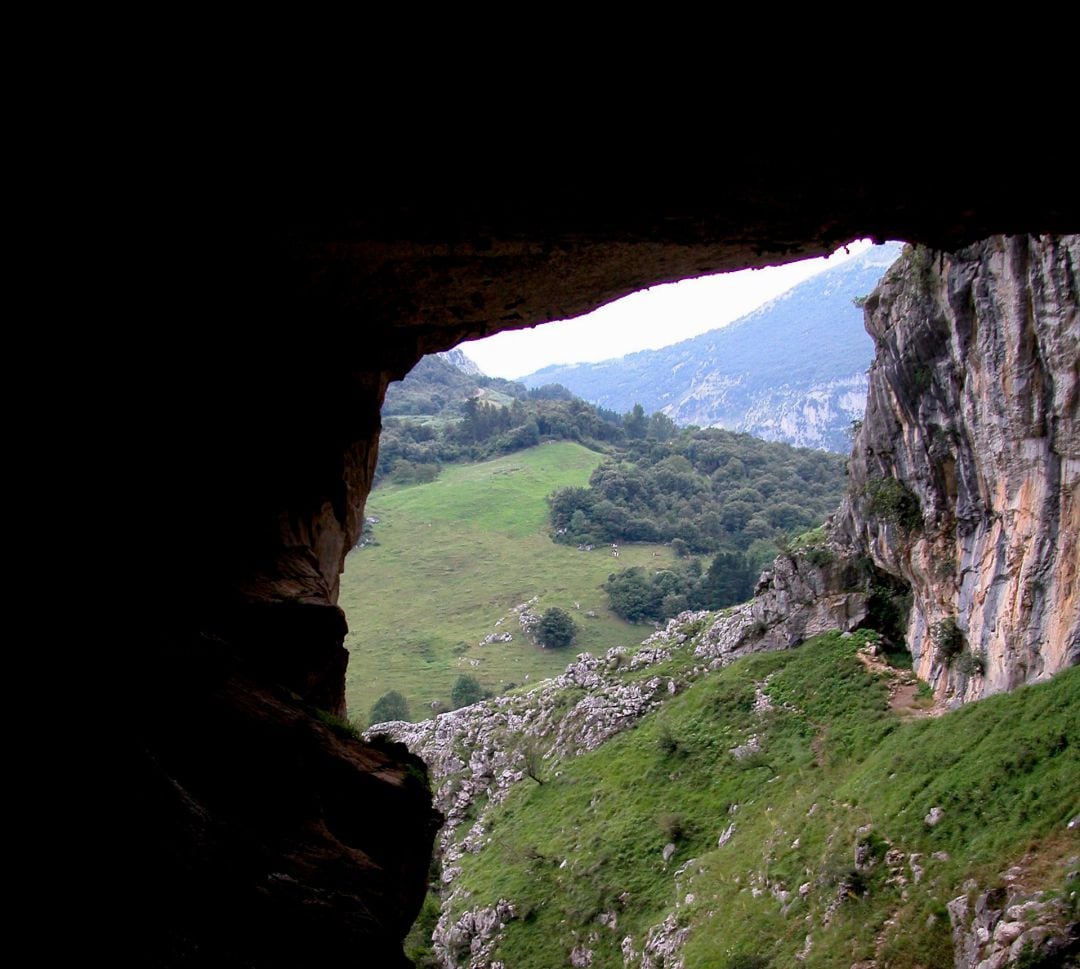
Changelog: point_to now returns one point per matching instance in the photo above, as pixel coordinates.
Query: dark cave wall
(265, 837)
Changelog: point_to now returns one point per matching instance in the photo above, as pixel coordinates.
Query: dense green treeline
(438, 415)
(706, 492)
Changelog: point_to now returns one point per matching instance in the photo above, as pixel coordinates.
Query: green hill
(794, 808)
(456, 555)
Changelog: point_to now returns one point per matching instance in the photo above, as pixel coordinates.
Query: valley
(457, 555)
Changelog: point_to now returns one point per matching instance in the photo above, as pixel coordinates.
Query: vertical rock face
(965, 475)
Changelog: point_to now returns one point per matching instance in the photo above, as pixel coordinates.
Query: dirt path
(904, 699)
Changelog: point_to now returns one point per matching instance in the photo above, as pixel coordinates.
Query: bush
(673, 825)
(893, 501)
(556, 629)
(968, 662)
(949, 640)
(390, 706)
(668, 742)
(466, 691)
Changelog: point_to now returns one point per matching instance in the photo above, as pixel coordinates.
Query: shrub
(893, 501)
(556, 628)
(819, 557)
(969, 662)
(390, 706)
(668, 742)
(673, 826)
(949, 640)
(532, 755)
(466, 691)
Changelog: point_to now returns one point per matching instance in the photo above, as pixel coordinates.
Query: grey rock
(581, 957)
(990, 539)
(999, 926)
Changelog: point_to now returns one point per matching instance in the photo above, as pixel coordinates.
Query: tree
(390, 706)
(556, 628)
(632, 595)
(636, 423)
(466, 691)
(728, 581)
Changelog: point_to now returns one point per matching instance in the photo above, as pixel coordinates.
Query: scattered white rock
(934, 817)
(752, 746)
(581, 957)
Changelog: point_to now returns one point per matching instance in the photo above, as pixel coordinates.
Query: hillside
(793, 370)
(446, 562)
(681, 806)
(454, 557)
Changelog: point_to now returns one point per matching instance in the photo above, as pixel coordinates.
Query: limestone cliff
(965, 474)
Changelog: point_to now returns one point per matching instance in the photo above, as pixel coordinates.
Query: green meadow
(762, 846)
(453, 557)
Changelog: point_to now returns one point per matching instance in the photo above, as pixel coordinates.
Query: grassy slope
(834, 758)
(453, 557)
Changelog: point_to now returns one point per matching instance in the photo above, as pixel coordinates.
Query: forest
(730, 498)
(706, 492)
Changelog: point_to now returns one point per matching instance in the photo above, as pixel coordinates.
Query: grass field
(456, 555)
(764, 844)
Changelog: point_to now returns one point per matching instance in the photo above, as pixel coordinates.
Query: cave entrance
(264, 417)
(483, 523)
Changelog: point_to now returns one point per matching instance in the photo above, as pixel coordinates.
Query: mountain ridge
(792, 370)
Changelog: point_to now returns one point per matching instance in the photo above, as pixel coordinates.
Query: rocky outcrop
(806, 592)
(817, 416)
(1003, 926)
(478, 753)
(300, 844)
(965, 475)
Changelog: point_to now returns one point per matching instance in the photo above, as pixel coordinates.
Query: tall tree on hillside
(636, 423)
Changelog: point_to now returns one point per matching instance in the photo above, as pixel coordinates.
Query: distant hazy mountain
(794, 370)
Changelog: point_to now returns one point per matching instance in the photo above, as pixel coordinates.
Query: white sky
(646, 320)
